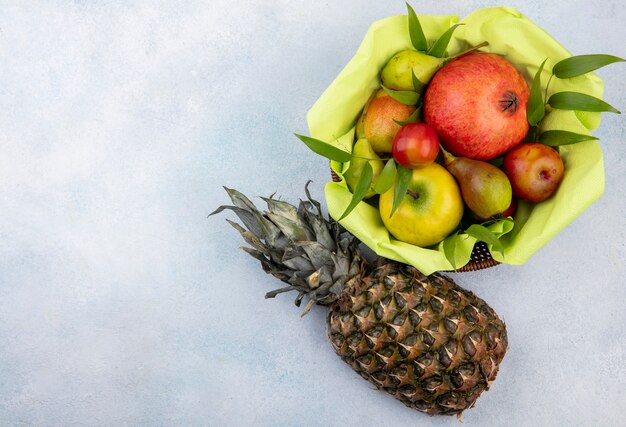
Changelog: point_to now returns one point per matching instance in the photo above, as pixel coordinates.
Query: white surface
(120, 303)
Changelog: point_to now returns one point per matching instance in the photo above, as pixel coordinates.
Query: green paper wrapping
(510, 34)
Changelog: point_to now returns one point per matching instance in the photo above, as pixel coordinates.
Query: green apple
(430, 210)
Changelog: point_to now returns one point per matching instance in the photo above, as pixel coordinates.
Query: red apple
(477, 106)
(535, 171)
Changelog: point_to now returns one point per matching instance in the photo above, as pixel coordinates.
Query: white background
(121, 303)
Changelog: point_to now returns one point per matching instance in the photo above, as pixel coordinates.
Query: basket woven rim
(480, 259)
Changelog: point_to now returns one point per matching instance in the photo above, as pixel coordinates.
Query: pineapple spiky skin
(424, 340)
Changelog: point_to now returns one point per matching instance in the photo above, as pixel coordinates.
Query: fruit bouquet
(518, 87)
(441, 134)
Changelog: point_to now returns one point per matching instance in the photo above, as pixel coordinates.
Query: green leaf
(439, 48)
(554, 138)
(535, 108)
(362, 186)
(579, 102)
(413, 118)
(405, 97)
(415, 30)
(581, 64)
(508, 225)
(402, 185)
(418, 85)
(483, 234)
(386, 178)
(531, 136)
(505, 223)
(449, 248)
(325, 149)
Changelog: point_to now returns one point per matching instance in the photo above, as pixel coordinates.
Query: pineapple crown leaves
(314, 256)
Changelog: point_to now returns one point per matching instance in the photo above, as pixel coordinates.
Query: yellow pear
(362, 153)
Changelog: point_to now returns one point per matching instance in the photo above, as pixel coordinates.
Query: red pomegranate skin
(477, 106)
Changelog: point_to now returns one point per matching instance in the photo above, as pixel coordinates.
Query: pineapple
(428, 342)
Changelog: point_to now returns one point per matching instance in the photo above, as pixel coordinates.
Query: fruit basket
(333, 118)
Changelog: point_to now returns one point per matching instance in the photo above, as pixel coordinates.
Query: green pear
(485, 189)
(362, 153)
(398, 72)
(397, 75)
